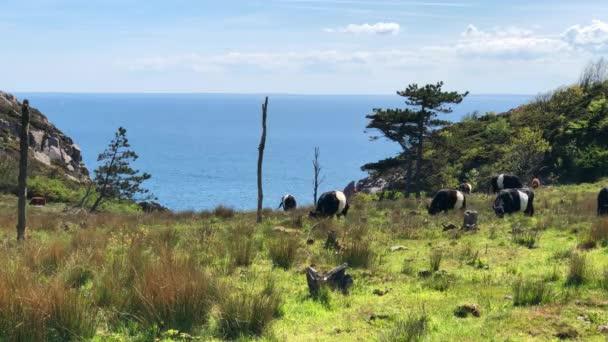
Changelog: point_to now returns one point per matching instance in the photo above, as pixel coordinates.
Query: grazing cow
(505, 182)
(467, 188)
(288, 202)
(602, 202)
(509, 201)
(331, 203)
(38, 200)
(535, 183)
(445, 200)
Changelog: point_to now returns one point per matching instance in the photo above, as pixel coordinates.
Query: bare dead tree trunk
(23, 149)
(260, 159)
(317, 168)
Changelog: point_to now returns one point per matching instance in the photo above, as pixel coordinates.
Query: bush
(439, 281)
(577, 273)
(283, 251)
(529, 292)
(54, 190)
(248, 312)
(173, 294)
(223, 212)
(413, 328)
(9, 171)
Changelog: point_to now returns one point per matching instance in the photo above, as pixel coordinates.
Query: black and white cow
(509, 201)
(445, 200)
(602, 202)
(288, 202)
(331, 203)
(503, 181)
(467, 188)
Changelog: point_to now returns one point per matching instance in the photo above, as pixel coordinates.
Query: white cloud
(509, 42)
(593, 37)
(377, 28)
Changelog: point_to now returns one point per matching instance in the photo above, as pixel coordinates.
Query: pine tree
(115, 179)
(425, 103)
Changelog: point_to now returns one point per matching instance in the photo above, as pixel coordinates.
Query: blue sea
(201, 149)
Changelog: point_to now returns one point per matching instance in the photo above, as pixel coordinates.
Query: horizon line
(242, 93)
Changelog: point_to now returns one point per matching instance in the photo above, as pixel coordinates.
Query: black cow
(288, 202)
(505, 182)
(331, 203)
(467, 188)
(509, 201)
(447, 199)
(602, 202)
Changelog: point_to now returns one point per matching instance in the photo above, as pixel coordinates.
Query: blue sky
(297, 46)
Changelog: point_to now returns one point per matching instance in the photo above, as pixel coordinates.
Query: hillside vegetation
(216, 275)
(560, 137)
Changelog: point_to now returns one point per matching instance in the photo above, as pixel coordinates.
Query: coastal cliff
(50, 149)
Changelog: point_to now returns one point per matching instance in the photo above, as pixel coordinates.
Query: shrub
(247, 312)
(78, 276)
(54, 190)
(173, 294)
(283, 251)
(529, 292)
(413, 328)
(9, 168)
(577, 272)
(435, 259)
(223, 212)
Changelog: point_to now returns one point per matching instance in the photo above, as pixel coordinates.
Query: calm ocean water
(201, 149)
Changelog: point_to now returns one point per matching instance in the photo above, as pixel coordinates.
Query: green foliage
(54, 190)
(115, 179)
(562, 135)
(525, 153)
(8, 173)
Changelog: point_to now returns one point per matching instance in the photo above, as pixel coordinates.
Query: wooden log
(336, 279)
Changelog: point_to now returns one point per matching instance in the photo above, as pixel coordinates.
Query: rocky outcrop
(48, 145)
(392, 179)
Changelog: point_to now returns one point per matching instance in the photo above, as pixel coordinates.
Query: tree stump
(336, 278)
(470, 220)
(332, 240)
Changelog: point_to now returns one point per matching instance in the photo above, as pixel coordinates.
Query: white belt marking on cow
(342, 199)
(523, 200)
(500, 181)
(459, 200)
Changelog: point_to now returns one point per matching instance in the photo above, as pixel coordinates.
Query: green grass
(217, 275)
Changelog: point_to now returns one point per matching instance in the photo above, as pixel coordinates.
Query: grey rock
(398, 248)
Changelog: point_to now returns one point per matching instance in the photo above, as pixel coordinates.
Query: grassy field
(216, 275)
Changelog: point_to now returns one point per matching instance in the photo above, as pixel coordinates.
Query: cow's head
(432, 209)
(499, 207)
